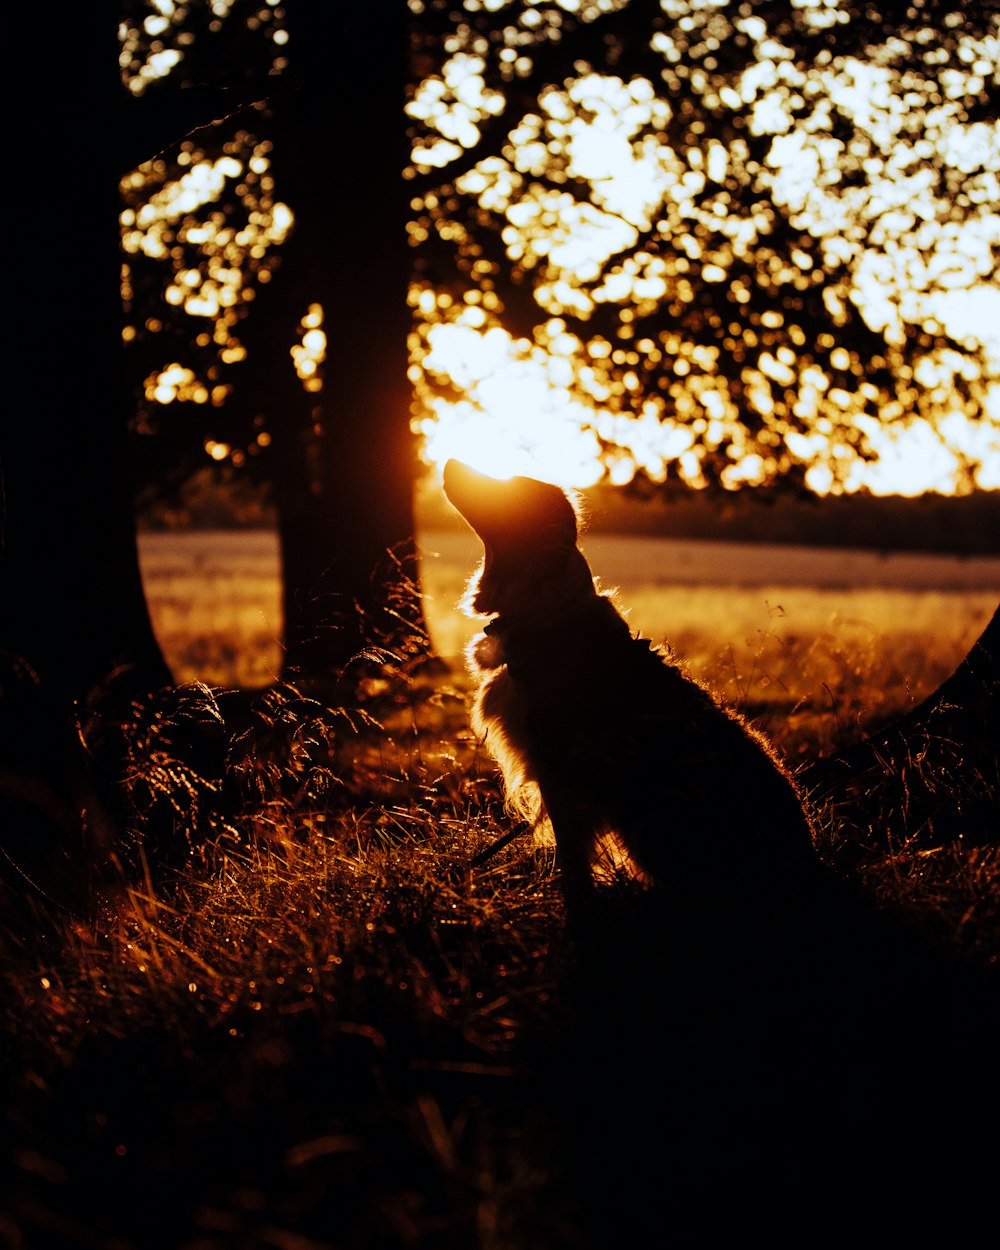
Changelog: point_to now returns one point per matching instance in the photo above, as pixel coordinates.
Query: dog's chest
(589, 708)
(501, 705)
(553, 719)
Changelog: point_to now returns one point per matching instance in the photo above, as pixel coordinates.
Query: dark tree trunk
(342, 460)
(72, 607)
(932, 776)
(75, 633)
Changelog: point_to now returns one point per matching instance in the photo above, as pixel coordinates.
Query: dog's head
(529, 531)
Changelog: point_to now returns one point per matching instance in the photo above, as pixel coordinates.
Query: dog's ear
(537, 584)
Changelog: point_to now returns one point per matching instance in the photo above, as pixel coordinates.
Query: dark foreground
(691, 1092)
(331, 1033)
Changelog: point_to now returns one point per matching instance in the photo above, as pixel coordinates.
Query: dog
(602, 732)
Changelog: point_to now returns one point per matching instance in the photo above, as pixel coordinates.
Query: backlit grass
(297, 1015)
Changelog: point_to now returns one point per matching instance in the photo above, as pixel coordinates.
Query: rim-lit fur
(612, 736)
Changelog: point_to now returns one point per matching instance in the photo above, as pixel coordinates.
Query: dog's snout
(477, 496)
(462, 481)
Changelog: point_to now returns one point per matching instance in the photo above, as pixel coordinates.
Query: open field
(783, 628)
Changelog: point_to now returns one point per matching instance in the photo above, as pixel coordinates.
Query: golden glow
(175, 383)
(587, 186)
(452, 106)
(518, 416)
(310, 352)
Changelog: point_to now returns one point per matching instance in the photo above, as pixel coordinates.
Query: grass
(298, 1017)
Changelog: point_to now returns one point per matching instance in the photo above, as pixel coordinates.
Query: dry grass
(815, 668)
(302, 1019)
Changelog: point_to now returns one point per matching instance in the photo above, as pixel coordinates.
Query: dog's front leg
(575, 835)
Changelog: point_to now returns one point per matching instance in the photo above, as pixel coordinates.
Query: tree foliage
(697, 241)
(201, 225)
(753, 241)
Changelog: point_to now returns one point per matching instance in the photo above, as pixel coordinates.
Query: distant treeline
(966, 524)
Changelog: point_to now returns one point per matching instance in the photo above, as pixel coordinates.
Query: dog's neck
(528, 647)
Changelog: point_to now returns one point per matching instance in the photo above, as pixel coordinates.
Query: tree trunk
(342, 460)
(75, 633)
(72, 607)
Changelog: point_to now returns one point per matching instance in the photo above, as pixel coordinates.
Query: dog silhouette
(600, 731)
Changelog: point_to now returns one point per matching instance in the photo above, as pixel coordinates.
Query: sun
(516, 416)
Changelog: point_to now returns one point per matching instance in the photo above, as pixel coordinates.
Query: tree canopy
(734, 243)
(692, 241)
